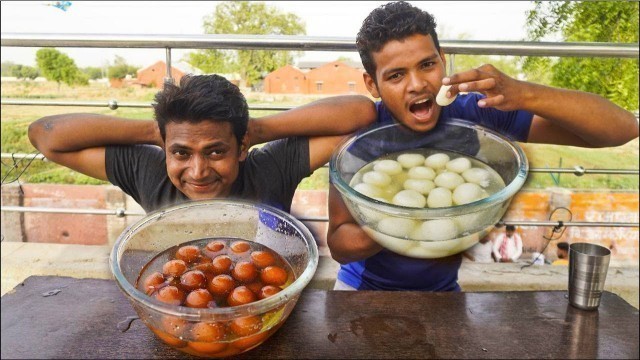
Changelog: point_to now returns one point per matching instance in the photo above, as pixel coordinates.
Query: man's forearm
(338, 115)
(73, 132)
(596, 120)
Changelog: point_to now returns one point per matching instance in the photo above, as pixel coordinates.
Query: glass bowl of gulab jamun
(214, 278)
(428, 194)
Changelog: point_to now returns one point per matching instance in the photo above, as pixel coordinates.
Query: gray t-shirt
(269, 175)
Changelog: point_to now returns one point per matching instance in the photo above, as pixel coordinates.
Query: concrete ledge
(21, 260)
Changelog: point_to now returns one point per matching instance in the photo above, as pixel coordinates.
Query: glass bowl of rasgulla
(428, 194)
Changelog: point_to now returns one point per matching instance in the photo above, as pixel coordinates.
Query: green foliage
(120, 69)
(243, 17)
(588, 21)
(7, 67)
(25, 72)
(58, 67)
(93, 72)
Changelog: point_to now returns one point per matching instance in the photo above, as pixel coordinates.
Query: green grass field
(15, 120)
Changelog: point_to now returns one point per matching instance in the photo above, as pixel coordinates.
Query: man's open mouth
(422, 109)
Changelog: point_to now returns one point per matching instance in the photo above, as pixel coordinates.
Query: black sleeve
(274, 171)
(139, 170)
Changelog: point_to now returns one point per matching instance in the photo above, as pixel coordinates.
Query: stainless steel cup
(588, 265)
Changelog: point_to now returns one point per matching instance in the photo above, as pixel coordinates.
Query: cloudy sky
(478, 20)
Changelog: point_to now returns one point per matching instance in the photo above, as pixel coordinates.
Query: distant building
(286, 80)
(154, 75)
(329, 78)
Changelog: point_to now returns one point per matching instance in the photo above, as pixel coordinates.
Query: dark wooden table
(60, 317)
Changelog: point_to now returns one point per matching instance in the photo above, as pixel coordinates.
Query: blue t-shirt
(387, 270)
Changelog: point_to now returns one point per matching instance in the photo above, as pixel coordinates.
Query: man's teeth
(421, 101)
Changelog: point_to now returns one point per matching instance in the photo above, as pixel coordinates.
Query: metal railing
(301, 43)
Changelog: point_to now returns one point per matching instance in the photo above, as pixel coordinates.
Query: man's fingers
(494, 101)
(480, 85)
(465, 76)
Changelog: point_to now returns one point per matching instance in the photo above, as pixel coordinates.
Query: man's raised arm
(78, 141)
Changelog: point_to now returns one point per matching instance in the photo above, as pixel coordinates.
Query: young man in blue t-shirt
(405, 67)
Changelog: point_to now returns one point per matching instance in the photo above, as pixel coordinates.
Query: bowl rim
(224, 313)
(425, 213)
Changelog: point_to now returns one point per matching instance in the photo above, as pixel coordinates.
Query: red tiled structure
(153, 75)
(331, 78)
(286, 80)
(335, 78)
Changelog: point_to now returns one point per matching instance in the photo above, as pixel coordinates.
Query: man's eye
(217, 152)
(427, 64)
(180, 154)
(394, 76)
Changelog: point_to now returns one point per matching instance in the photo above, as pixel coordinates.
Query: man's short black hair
(202, 98)
(563, 245)
(511, 228)
(392, 21)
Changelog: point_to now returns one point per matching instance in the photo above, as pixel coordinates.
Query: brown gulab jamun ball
(200, 298)
(244, 271)
(170, 295)
(193, 279)
(174, 268)
(221, 285)
(273, 275)
(188, 253)
(240, 246)
(240, 296)
(151, 283)
(262, 259)
(222, 264)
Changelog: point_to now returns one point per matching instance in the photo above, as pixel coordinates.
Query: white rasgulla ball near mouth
(459, 165)
(422, 172)
(398, 227)
(422, 186)
(449, 180)
(409, 198)
(376, 178)
(387, 166)
(410, 160)
(437, 161)
(467, 193)
(436, 230)
(439, 197)
(477, 176)
(368, 190)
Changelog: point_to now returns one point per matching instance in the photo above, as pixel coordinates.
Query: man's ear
(244, 147)
(371, 85)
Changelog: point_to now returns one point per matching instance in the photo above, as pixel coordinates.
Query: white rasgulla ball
(397, 245)
(376, 178)
(370, 215)
(437, 161)
(422, 186)
(459, 165)
(477, 176)
(422, 172)
(409, 198)
(398, 227)
(369, 190)
(387, 166)
(436, 230)
(410, 160)
(449, 180)
(467, 193)
(439, 197)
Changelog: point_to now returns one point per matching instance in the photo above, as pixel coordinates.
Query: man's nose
(416, 82)
(199, 167)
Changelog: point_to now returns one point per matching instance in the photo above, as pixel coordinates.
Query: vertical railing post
(168, 78)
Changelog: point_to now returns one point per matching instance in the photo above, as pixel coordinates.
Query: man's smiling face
(203, 159)
(409, 74)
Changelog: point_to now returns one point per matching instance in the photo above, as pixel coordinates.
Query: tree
(58, 67)
(93, 72)
(588, 21)
(253, 18)
(121, 69)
